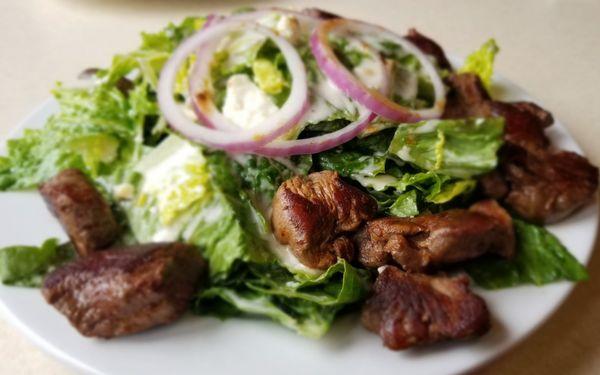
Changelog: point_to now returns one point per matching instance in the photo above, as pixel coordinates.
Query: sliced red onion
(320, 143)
(349, 84)
(202, 66)
(291, 111)
(242, 140)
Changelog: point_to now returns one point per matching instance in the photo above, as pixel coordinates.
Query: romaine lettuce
(457, 148)
(102, 129)
(27, 265)
(186, 193)
(540, 259)
(481, 62)
(307, 306)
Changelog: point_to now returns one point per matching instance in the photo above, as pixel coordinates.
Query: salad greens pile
(167, 188)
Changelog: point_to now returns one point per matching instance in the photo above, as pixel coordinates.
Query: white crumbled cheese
(124, 192)
(284, 25)
(381, 269)
(288, 27)
(246, 105)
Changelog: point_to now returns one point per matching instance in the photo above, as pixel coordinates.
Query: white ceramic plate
(203, 345)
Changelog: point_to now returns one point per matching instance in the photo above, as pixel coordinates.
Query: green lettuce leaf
(352, 163)
(481, 62)
(457, 148)
(212, 210)
(102, 129)
(399, 188)
(307, 306)
(406, 205)
(236, 235)
(540, 259)
(27, 265)
(262, 176)
(91, 132)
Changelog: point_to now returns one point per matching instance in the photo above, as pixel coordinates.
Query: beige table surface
(551, 47)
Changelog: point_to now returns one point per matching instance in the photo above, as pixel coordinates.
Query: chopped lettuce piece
(457, 148)
(236, 234)
(95, 150)
(481, 62)
(307, 306)
(405, 205)
(350, 163)
(306, 318)
(540, 259)
(431, 190)
(391, 181)
(91, 132)
(268, 77)
(103, 129)
(27, 265)
(262, 176)
(345, 284)
(451, 190)
(348, 53)
(189, 195)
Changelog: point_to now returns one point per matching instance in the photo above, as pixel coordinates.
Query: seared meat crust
(82, 211)
(547, 187)
(123, 291)
(429, 47)
(466, 97)
(429, 241)
(312, 214)
(414, 309)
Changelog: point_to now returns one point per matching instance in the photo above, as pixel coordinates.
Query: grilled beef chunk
(539, 184)
(81, 210)
(414, 309)
(524, 125)
(123, 291)
(547, 187)
(432, 240)
(313, 214)
(429, 47)
(466, 97)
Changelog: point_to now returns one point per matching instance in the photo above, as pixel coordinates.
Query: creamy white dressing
(404, 153)
(246, 105)
(326, 100)
(166, 234)
(378, 183)
(288, 259)
(427, 127)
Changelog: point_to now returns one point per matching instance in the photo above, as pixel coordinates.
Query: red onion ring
(202, 60)
(242, 140)
(351, 86)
